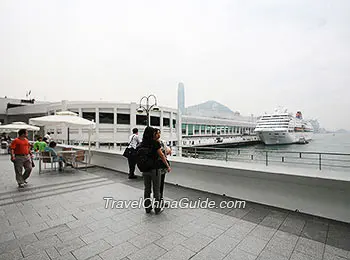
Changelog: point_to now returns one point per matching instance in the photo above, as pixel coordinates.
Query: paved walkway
(62, 216)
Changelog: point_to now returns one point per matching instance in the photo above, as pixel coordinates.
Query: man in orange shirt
(21, 157)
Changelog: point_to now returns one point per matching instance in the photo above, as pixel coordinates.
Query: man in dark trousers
(134, 141)
(21, 157)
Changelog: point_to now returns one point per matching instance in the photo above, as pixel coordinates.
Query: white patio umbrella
(16, 126)
(65, 119)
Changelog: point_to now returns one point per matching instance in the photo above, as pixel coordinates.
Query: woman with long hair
(152, 177)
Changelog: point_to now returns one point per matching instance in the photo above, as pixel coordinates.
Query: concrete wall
(309, 193)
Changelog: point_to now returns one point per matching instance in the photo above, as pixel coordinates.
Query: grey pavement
(61, 216)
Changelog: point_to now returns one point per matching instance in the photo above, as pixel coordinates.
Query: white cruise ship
(282, 127)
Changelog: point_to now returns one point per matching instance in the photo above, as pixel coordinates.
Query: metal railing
(272, 157)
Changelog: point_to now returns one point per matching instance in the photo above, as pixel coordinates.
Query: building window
(183, 129)
(155, 120)
(89, 116)
(123, 119)
(196, 129)
(174, 123)
(106, 118)
(190, 129)
(208, 129)
(166, 122)
(141, 120)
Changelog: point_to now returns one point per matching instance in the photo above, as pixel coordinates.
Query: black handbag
(161, 165)
(128, 152)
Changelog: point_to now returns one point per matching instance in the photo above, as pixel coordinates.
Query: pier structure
(115, 121)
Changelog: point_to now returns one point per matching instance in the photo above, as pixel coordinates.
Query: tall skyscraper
(181, 97)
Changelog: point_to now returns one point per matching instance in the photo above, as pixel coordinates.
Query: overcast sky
(249, 55)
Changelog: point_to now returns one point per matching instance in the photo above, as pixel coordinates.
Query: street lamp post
(148, 107)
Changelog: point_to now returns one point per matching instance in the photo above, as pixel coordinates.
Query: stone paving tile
(274, 219)
(268, 255)
(120, 251)
(37, 256)
(197, 242)
(73, 233)
(60, 221)
(170, 241)
(97, 235)
(145, 239)
(16, 243)
(239, 213)
(118, 226)
(331, 250)
(91, 250)
(293, 224)
(328, 256)
(256, 215)
(282, 243)
(224, 244)
(177, 253)
(7, 237)
(150, 252)
(316, 231)
(52, 231)
(208, 253)
(66, 247)
(30, 230)
(263, 232)
(310, 247)
(80, 222)
(121, 237)
(12, 255)
(252, 244)
(190, 230)
(52, 252)
(212, 231)
(39, 245)
(238, 254)
(65, 257)
(240, 229)
(300, 256)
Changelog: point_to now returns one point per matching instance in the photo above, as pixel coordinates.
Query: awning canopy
(16, 126)
(64, 119)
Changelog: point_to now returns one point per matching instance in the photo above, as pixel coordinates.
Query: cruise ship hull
(276, 137)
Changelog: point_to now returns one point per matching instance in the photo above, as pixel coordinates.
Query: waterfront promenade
(62, 216)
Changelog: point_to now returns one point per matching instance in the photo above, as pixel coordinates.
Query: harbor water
(325, 151)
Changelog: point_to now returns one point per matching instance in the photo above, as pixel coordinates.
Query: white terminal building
(115, 121)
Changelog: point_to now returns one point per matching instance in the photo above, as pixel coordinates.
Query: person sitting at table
(55, 156)
(39, 145)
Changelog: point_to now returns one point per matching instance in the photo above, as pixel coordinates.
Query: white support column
(186, 129)
(133, 107)
(115, 127)
(179, 132)
(161, 123)
(97, 117)
(171, 125)
(81, 137)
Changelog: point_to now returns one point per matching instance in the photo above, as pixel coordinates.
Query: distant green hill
(211, 108)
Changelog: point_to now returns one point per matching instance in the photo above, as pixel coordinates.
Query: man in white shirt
(134, 141)
(48, 137)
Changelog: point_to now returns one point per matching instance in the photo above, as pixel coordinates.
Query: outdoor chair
(80, 158)
(45, 158)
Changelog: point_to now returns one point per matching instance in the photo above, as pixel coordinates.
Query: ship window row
(125, 119)
(194, 129)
